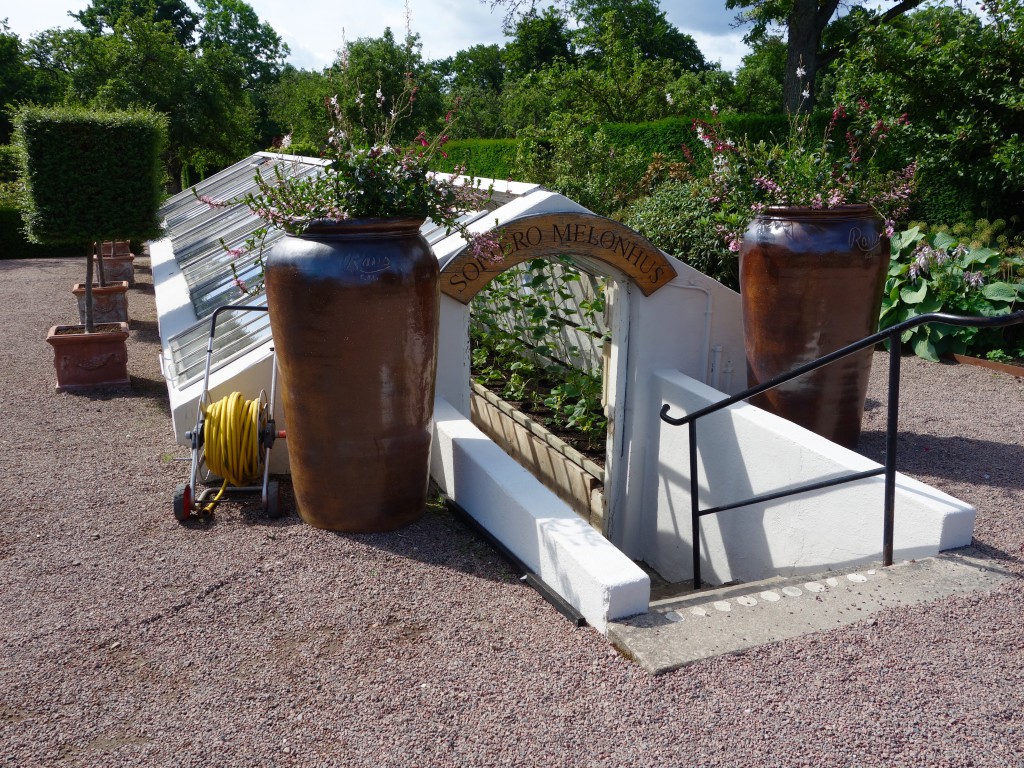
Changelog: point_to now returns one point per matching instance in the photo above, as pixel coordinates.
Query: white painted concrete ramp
(573, 559)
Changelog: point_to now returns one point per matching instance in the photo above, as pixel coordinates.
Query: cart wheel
(183, 502)
(273, 500)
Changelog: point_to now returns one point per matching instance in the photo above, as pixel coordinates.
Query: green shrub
(91, 175)
(582, 163)
(678, 218)
(667, 136)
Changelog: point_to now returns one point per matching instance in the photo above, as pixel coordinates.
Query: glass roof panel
(201, 234)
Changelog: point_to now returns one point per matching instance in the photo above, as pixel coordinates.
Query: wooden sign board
(546, 235)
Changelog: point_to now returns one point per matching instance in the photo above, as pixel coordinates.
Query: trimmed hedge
(14, 244)
(10, 163)
(91, 175)
(486, 158)
(496, 158)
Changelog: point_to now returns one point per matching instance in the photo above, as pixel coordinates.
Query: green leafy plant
(580, 162)
(939, 273)
(525, 336)
(679, 218)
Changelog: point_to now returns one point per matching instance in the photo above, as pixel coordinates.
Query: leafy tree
(297, 103)
(958, 78)
(370, 66)
(101, 16)
(475, 79)
(640, 21)
(144, 54)
(65, 65)
(538, 40)
(623, 85)
(694, 93)
(234, 25)
(246, 50)
(16, 77)
(760, 77)
(806, 23)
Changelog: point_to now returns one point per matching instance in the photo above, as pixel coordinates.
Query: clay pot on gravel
(109, 302)
(118, 261)
(354, 309)
(86, 360)
(811, 282)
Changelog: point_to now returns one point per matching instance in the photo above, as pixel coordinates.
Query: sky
(314, 29)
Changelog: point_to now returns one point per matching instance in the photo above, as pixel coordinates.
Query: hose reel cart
(230, 444)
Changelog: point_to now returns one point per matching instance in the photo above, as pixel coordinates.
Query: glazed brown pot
(811, 282)
(86, 360)
(354, 313)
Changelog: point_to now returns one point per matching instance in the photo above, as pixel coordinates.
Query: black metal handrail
(892, 334)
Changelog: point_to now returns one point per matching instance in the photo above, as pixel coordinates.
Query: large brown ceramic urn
(811, 282)
(354, 313)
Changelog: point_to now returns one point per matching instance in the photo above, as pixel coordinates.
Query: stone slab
(713, 622)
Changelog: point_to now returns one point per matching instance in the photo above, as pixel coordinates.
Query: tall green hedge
(14, 244)
(486, 158)
(91, 175)
(10, 162)
(496, 158)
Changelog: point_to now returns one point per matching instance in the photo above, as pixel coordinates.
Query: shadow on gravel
(1000, 556)
(980, 462)
(438, 538)
(140, 389)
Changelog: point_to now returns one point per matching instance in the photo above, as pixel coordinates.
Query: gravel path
(128, 640)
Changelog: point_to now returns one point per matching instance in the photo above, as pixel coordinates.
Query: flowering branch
(380, 180)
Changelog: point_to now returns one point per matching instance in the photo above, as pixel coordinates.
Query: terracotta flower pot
(117, 268)
(354, 311)
(85, 360)
(109, 302)
(811, 282)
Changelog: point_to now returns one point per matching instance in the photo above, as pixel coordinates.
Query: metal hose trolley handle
(231, 443)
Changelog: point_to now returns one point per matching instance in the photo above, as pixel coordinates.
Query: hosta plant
(938, 273)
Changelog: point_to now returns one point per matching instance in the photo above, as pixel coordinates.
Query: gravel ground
(128, 640)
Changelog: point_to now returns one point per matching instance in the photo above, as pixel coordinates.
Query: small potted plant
(810, 216)
(353, 294)
(90, 176)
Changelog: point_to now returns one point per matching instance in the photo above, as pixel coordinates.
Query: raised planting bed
(572, 476)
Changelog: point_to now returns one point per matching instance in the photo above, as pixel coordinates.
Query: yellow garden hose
(232, 440)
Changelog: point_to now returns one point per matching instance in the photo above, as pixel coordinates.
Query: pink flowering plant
(366, 176)
(840, 166)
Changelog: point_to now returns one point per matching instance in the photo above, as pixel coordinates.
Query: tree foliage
(101, 16)
(958, 78)
(207, 72)
(642, 23)
(538, 41)
(809, 24)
